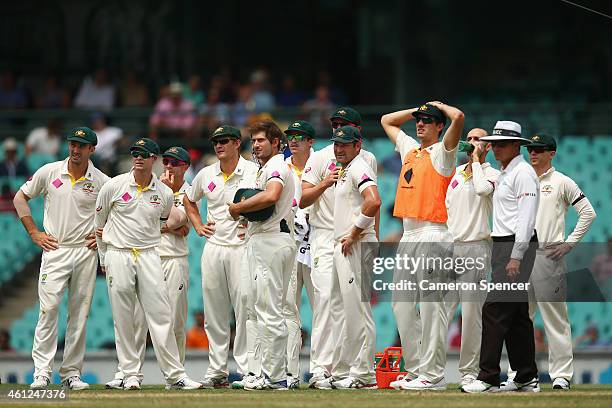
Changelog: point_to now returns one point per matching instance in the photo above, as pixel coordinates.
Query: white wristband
(363, 221)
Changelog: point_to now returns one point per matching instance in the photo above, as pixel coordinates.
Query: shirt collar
(513, 163)
(151, 185)
(239, 170)
(88, 174)
(547, 173)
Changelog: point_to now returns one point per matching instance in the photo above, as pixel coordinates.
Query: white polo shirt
(356, 177)
(172, 245)
(211, 184)
(557, 193)
(469, 202)
(320, 164)
(69, 204)
(442, 160)
(131, 215)
(515, 204)
(275, 171)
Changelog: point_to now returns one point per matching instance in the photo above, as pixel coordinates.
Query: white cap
(506, 130)
(10, 144)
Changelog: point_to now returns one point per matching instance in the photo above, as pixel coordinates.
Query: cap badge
(340, 133)
(296, 124)
(140, 142)
(79, 133)
(342, 112)
(536, 138)
(219, 129)
(423, 107)
(173, 150)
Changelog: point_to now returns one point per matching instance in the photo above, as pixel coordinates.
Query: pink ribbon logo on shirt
(275, 174)
(365, 177)
(454, 184)
(126, 197)
(57, 183)
(211, 186)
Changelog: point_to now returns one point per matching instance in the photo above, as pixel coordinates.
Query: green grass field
(155, 396)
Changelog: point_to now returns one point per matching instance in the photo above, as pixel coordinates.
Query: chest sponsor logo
(89, 188)
(57, 183)
(547, 189)
(155, 200)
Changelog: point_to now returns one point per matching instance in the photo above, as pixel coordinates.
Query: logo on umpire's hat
(140, 142)
(79, 133)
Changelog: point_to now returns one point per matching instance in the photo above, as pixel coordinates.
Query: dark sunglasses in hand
(173, 162)
(220, 141)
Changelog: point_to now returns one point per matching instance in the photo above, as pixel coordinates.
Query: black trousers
(505, 318)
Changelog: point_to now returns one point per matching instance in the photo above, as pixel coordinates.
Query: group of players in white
(320, 208)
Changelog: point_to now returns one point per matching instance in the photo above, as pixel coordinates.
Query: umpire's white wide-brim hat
(506, 130)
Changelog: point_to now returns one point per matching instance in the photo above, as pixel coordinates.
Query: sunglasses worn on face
(294, 137)
(173, 162)
(425, 119)
(474, 138)
(537, 150)
(138, 153)
(220, 141)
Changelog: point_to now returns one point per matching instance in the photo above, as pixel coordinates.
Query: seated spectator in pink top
(173, 116)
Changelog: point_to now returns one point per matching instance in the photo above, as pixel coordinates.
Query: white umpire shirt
(515, 204)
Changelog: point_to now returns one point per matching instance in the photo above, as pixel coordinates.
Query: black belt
(284, 227)
(512, 238)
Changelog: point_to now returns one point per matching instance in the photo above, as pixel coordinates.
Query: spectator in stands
(193, 91)
(244, 108)
(262, 98)
(288, 96)
(5, 341)
(6, 198)
(173, 116)
(52, 95)
(319, 110)
(108, 138)
(196, 336)
(11, 166)
(133, 93)
(214, 112)
(45, 139)
(96, 93)
(602, 265)
(590, 338)
(11, 96)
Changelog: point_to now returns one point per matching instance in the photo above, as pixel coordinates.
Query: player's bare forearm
(176, 219)
(311, 193)
(391, 122)
(453, 134)
(193, 213)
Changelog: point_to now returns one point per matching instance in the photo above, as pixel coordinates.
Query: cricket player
(270, 251)
(132, 209)
(300, 137)
(173, 250)
(69, 261)
(469, 206)
(548, 280)
(356, 204)
(222, 278)
(318, 185)
(427, 170)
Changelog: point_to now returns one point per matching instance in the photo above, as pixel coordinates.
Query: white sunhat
(506, 130)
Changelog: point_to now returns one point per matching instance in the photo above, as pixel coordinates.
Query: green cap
(430, 110)
(302, 127)
(544, 141)
(259, 215)
(226, 130)
(346, 134)
(146, 145)
(178, 153)
(83, 135)
(466, 147)
(347, 113)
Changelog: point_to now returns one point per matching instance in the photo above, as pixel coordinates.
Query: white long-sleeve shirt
(515, 204)
(557, 193)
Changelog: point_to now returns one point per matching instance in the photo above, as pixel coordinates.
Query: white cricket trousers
(327, 316)
(300, 277)
(354, 277)
(547, 293)
(72, 268)
(479, 252)
(222, 292)
(136, 276)
(270, 258)
(423, 331)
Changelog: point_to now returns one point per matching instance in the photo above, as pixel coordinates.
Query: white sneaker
(324, 384)
(239, 384)
(312, 382)
(352, 383)
(40, 381)
(561, 384)
(478, 386)
(276, 386)
(421, 384)
(402, 381)
(293, 383)
(212, 383)
(467, 379)
(131, 384)
(255, 383)
(185, 384)
(75, 383)
(531, 386)
(508, 386)
(115, 384)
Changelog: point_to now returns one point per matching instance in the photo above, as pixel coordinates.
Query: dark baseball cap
(178, 153)
(145, 145)
(83, 134)
(226, 130)
(430, 110)
(301, 127)
(347, 113)
(346, 134)
(543, 141)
